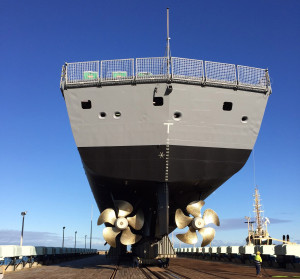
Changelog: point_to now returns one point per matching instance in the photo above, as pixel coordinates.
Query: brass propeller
(124, 207)
(194, 208)
(181, 219)
(110, 234)
(189, 237)
(197, 223)
(137, 221)
(121, 224)
(107, 216)
(128, 238)
(208, 235)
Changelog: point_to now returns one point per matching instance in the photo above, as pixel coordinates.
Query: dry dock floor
(99, 267)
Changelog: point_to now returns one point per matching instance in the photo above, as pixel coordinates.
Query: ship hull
(144, 163)
(192, 141)
(134, 174)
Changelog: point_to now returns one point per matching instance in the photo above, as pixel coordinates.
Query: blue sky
(40, 168)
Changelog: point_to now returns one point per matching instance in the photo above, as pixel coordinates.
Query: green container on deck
(144, 74)
(119, 74)
(88, 75)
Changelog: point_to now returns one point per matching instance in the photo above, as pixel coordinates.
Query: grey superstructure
(160, 133)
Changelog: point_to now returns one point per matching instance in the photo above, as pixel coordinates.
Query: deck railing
(160, 69)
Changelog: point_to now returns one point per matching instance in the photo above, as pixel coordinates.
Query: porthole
(117, 114)
(244, 119)
(177, 115)
(102, 115)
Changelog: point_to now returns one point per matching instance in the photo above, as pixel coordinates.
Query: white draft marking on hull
(168, 124)
(167, 160)
(161, 155)
(167, 151)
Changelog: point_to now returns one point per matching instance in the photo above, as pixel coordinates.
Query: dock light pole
(85, 241)
(23, 214)
(63, 242)
(75, 238)
(91, 228)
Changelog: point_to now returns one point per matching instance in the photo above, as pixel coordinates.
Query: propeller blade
(190, 237)
(211, 216)
(194, 208)
(124, 207)
(137, 221)
(208, 235)
(128, 238)
(107, 216)
(181, 219)
(110, 234)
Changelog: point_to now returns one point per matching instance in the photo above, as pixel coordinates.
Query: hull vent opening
(227, 106)
(158, 101)
(86, 104)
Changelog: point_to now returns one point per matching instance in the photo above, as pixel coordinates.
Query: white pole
(91, 228)
(173, 240)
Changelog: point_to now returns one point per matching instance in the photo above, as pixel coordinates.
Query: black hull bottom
(137, 173)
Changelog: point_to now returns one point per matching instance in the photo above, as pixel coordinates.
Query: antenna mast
(168, 43)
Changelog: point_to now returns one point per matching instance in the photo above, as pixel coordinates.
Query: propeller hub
(198, 223)
(121, 223)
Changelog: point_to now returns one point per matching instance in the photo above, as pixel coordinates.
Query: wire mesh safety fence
(220, 72)
(157, 68)
(187, 69)
(253, 77)
(152, 68)
(118, 69)
(82, 72)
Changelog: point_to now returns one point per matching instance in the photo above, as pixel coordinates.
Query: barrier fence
(160, 68)
(155, 68)
(220, 72)
(187, 69)
(13, 257)
(283, 255)
(117, 70)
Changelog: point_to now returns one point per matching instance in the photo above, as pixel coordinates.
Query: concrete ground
(99, 267)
